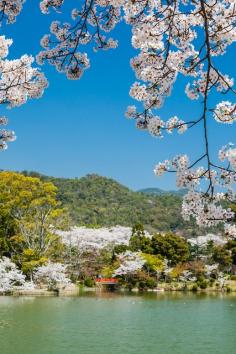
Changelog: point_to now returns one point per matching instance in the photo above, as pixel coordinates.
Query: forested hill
(158, 191)
(103, 201)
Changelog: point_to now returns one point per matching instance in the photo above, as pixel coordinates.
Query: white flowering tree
(174, 38)
(130, 263)
(52, 274)
(11, 278)
(211, 269)
(85, 238)
(19, 81)
(85, 245)
(187, 276)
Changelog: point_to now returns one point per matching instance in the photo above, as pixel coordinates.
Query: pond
(119, 324)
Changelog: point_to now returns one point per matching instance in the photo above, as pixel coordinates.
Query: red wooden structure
(106, 281)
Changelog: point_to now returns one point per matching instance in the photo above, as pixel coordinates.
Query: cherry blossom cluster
(221, 82)
(187, 276)
(90, 23)
(11, 278)
(85, 238)
(51, 274)
(165, 34)
(45, 5)
(130, 263)
(205, 207)
(19, 81)
(186, 177)
(5, 135)
(202, 241)
(225, 112)
(154, 124)
(10, 9)
(228, 153)
(230, 230)
(184, 37)
(211, 269)
(206, 211)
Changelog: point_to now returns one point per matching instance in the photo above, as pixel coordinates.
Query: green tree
(7, 231)
(29, 212)
(154, 264)
(139, 241)
(231, 246)
(222, 256)
(170, 246)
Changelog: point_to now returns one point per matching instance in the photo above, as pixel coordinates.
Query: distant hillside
(158, 191)
(151, 191)
(103, 201)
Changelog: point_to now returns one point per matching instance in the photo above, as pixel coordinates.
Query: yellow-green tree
(154, 264)
(31, 212)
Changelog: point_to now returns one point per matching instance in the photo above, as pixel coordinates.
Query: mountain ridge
(98, 200)
(158, 191)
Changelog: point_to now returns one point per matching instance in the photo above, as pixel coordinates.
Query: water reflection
(172, 295)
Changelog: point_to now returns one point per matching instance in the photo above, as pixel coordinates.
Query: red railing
(106, 280)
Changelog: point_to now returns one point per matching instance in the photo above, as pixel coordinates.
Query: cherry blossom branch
(90, 21)
(10, 9)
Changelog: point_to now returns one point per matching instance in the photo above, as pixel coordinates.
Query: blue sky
(79, 127)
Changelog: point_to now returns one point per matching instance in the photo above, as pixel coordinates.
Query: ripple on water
(119, 324)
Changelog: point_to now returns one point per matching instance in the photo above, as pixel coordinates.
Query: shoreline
(75, 290)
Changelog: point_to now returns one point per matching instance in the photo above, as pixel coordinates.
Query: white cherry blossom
(96, 238)
(131, 262)
(225, 112)
(11, 278)
(45, 5)
(19, 81)
(52, 274)
(10, 9)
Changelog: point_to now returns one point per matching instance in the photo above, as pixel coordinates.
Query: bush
(211, 282)
(142, 285)
(151, 283)
(120, 249)
(202, 284)
(89, 282)
(194, 287)
(233, 277)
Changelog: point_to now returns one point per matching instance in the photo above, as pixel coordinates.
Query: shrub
(202, 284)
(142, 285)
(194, 287)
(151, 283)
(211, 282)
(120, 249)
(89, 282)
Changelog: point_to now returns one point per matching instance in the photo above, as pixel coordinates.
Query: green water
(119, 324)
